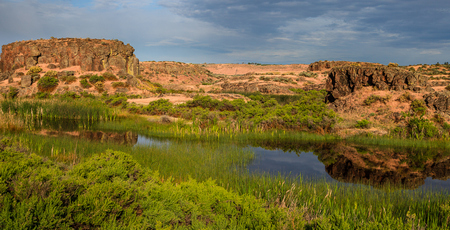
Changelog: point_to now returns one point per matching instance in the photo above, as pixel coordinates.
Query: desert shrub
(34, 70)
(363, 124)
(51, 73)
(47, 84)
(374, 98)
(70, 94)
(447, 87)
(95, 78)
(112, 191)
(86, 76)
(42, 95)
(308, 74)
(85, 84)
(68, 79)
(391, 64)
(99, 86)
(109, 76)
(158, 107)
(87, 95)
(405, 97)
(13, 92)
(411, 69)
(421, 127)
(118, 84)
(419, 107)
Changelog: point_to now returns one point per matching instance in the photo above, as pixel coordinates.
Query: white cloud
(114, 4)
(431, 52)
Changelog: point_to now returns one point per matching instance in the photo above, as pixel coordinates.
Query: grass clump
(95, 78)
(47, 84)
(308, 74)
(13, 92)
(109, 76)
(118, 84)
(405, 97)
(85, 84)
(374, 98)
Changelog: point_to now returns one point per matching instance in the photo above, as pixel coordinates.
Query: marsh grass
(322, 204)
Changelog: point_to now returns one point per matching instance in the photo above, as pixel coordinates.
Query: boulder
(440, 101)
(26, 81)
(132, 80)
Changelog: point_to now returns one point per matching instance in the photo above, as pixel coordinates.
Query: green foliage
(363, 124)
(70, 94)
(391, 64)
(68, 79)
(51, 73)
(34, 70)
(85, 84)
(118, 84)
(47, 84)
(13, 92)
(374, 98)
(419, 107)
(99, 86)
(95, 78)
(158, 107)
(42, 95)
(111, 190)
(308, 74)
(420, 128)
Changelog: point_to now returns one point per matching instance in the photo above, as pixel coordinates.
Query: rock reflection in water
(128, 138)
(350, 163)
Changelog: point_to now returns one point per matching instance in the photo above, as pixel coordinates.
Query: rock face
(440, 101)
(321, 65)
(89, 54)
(345, 80)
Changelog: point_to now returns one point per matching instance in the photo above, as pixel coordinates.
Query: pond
(348, 163)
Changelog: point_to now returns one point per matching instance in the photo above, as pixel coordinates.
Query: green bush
(109, 76)
(421, 127)
(51, 73)
(95, 78)
(85, 84)
(99, 86)
(42, 95)
(374, 98)
(308, 74)
(118, 84)
(13, 92)
(419, 107)
(34, 70)
(68, 79)
(47, 84)
(159, 107)
(112, 191)
(363, 124)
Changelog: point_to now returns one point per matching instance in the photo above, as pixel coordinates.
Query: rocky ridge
(89, 54)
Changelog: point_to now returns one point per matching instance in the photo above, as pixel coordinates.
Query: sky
(241, 31)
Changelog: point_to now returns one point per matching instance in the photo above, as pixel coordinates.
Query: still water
(349, 164)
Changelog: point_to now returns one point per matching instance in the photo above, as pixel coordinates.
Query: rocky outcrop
(26, 81)
(439, 101)
(345, 80)
(255, 87)
(89, 54)
(322, 65)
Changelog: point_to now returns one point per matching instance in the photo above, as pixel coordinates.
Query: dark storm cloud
(401, 23)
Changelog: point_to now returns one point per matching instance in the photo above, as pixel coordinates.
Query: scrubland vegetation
(61, 182)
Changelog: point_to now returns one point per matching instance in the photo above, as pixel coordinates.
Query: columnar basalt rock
(322, 65)
(343, 81)
(89, 54)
